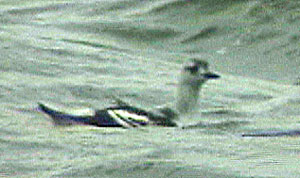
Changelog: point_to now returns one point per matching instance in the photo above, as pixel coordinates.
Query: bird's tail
(61, 118)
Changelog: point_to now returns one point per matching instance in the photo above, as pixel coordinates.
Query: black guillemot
(192, 77)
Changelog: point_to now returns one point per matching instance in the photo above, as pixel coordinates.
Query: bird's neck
(187, 97)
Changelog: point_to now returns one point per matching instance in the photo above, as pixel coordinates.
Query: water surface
(80, 54)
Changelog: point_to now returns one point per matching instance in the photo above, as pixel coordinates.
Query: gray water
(81, 54)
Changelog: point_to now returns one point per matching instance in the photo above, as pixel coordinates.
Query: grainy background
(78, 54)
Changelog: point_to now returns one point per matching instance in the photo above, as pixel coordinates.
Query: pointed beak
(210, 75)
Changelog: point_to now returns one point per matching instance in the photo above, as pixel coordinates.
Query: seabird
(192, 77)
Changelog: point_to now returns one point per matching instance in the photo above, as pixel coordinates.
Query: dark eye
(192, 69)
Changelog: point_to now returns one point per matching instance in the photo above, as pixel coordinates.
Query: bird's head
(196, 72)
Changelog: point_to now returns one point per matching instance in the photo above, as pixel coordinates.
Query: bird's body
(118, 116)
(192, 77)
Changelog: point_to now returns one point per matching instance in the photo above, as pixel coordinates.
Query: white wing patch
(118, 119)
(126, 118)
